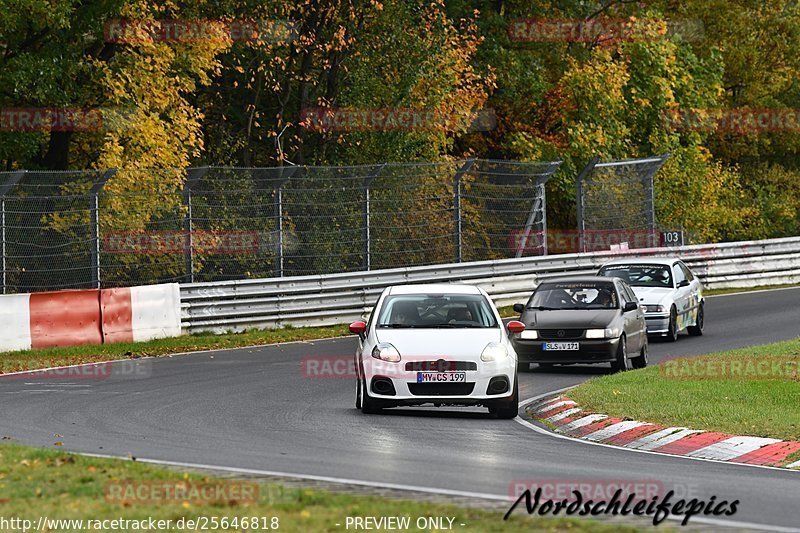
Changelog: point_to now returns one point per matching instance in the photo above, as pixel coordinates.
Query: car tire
(358, 393)
(640, 361)
(697, 329)
(509, 408)
(672, 333)
(368, 405)
(621, 364)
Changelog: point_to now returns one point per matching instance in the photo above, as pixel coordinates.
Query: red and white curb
(566, 417)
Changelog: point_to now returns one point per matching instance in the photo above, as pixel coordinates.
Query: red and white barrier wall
(71, 318)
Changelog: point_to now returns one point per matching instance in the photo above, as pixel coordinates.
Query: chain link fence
(107, 228)
(616, 202)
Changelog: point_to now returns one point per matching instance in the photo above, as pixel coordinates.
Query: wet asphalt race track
(255, 409)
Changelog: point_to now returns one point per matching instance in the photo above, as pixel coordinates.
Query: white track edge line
(543, 431)
(413, 488)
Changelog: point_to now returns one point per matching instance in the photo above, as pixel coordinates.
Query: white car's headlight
(655, 308)
(494, 351)
(530, 334)
(595, 334)
(386, 352)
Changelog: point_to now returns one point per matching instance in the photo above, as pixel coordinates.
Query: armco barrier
(69, 318)
(341, 298)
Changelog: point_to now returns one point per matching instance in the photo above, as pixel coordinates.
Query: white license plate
(560, 346)
(441, 377)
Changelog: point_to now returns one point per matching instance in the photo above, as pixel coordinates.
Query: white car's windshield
(640, 275)
(436, 311)
(574, 295)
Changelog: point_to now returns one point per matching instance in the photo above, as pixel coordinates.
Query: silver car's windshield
(436, 311)
(640, 275)
(574, 295)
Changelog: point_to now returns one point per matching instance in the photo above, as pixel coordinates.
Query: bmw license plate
(560, 346)
(441, 377)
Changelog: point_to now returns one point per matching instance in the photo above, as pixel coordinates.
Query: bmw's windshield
(640, 275)
(436, 311)
(574, 295)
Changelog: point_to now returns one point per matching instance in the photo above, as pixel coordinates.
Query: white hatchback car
(671, 293)
(436, 344)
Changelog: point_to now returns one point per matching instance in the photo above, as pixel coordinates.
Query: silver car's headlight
(494, 351)
(386, 352)
(595, 334)
(613, 333)
(655, 308)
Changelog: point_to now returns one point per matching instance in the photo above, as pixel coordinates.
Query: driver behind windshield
(603, 299)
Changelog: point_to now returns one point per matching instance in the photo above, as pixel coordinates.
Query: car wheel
(621, 364)
(672, 332)
(697, 329)
(368, 405)
(640, 361)
(509, 408)
(523, 367)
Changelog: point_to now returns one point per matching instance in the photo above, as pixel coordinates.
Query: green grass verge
(31, 359)
(54, 484)
(693, 392)
(715, 292)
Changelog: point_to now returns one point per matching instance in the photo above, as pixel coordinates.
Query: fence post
(286, 175)
(95, 223)
(4, 190)
(367, 263)
(579, 201)
(193, 177)
(457, 206)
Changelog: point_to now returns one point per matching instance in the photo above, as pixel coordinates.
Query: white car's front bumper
(406, 389)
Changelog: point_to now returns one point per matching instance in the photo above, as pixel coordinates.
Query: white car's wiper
(400, 326)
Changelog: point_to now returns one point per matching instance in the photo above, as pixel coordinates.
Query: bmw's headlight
(494, 351)
(386, 352)
(655, 308)
(595, 334)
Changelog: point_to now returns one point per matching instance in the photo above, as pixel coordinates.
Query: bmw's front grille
(560, 334)
(440, 366)
(441, 389)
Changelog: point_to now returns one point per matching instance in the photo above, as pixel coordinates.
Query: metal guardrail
(341, 298)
